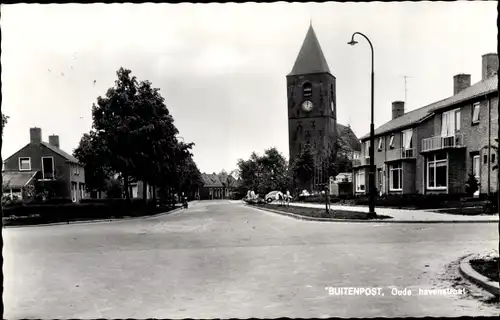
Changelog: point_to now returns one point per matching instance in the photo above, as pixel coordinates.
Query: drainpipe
(384, 168)
(489, 145)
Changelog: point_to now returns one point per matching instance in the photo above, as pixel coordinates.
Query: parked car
(273, 195)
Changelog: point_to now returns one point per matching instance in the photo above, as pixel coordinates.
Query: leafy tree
(94, 155)
(5, 118)
(250, 172)
(114, 188)
(139, 132)
(342, 163)
(111, 120)
(472, 185)
(275, 170)
(264, 173)
(303, 168)
(190, 176)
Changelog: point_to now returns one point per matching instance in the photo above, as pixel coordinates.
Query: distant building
(348, 143)
(214, 187)
(433, 149)
(42, 161)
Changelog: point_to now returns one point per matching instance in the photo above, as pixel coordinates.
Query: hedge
(417, 201)
(47, 213)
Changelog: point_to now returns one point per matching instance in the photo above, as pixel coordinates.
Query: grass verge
(321, 213)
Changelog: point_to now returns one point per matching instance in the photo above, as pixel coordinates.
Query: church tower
(312, 111)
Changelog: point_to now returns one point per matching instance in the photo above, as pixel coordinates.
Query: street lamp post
(371, 174)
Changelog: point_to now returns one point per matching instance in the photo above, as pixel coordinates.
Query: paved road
(220, 260)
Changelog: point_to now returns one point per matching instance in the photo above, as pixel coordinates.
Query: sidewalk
(402, 215)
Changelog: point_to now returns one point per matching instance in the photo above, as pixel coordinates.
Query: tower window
(307, 90)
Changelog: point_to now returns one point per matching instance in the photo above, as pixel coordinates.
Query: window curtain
(407, 135)
(451, 124)
(444, 124)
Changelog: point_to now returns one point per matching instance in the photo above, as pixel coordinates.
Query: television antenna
(406, 89)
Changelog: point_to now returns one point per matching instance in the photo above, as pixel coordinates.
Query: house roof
(61, 152)
(17, 179)
(478, 89)
(57, 150)
(310, 58)
(211, 180)
(347, 139)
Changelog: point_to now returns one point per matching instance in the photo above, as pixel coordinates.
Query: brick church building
(312, 110)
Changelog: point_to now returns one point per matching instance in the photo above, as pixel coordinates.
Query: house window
(485, 159)
(475, 112)
(437, 171)
(25, 164)
(396, 177)
(391, 142)
(48, 168)
(450, 123)
(476, 167)
(307, 90)
(367, 149)
(380, 140)
(360, 181)
(493, 158)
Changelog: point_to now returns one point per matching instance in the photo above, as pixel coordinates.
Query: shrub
(471, 186)
(46, 213)
(7, 201)
(114, 189)
(418, 201)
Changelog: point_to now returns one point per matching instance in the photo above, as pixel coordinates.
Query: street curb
(478, 279)
(299, 217)
(97, 220)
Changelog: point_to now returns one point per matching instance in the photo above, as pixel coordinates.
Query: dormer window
(391, 142)
(24, 164)
(307, 90)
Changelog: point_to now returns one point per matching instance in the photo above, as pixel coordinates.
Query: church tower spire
(312, 111)
(310, 58)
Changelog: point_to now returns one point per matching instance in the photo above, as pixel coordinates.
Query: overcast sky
(222, 67)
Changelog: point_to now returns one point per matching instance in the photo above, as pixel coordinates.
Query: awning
(17, 179)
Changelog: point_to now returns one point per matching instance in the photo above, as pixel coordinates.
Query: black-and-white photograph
(251, 160)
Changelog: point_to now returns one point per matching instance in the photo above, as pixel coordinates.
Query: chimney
(398, 109)
(54, 140)
(35, 135)
(490, 65)
(460, 82)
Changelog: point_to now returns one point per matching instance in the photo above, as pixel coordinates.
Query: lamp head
(352, 42)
